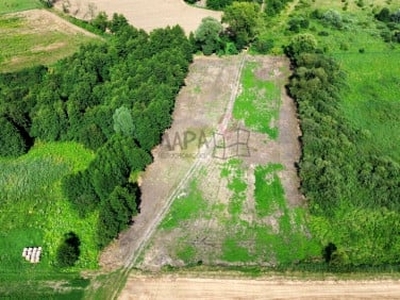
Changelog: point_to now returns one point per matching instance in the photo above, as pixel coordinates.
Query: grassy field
(36, 37)
(34, 212)
(370, 104)
(10, 6)
(372, 99)
(269, 234)
(258, 103)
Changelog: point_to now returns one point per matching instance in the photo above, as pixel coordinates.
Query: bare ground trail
(184, 288)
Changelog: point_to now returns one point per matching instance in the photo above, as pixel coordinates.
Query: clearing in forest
(241, 204)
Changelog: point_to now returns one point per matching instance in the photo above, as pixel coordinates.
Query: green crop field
(26, 43)
(10, 6)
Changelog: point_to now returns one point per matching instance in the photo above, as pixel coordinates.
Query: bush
(383, 15)
(11, 141)
(333, 18)
(302, 43)
(68, 252)
(263, 45)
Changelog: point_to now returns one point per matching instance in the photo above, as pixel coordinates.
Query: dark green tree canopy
(242, 18)
(208, 35)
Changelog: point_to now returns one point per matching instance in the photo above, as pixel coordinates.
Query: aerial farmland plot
(35, 37)
(225, 213)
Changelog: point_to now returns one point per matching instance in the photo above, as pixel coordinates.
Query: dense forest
(335, 171)
(116, 98)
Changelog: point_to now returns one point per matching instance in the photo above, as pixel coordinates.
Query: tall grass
(33, 211)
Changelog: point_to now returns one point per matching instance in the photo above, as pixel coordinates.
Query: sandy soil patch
(144, 14)
(168, 287)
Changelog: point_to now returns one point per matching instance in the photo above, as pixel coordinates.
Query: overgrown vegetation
(113, 97)
(258, 103)
(341, 179)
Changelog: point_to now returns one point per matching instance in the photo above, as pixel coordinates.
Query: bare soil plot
(37, 37)
(170, 287)
(144, 14)
(245, 209)
(209, 226)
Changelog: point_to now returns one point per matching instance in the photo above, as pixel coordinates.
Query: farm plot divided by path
(242, 205)
(144, 14)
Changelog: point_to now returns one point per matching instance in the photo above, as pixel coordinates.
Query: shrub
(333, 18)
(68, 252)
(263, 45)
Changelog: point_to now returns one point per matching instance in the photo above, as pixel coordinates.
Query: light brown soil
(144, 14)
(206, 232)
(42, 21)
(176, 288)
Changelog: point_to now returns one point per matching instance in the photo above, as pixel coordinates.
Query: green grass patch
(10, 6)
(187, 253)
(268, 193)
(234, 172)
(258, 104)
(185, 208)
(34, 211)
(68, 286)
(372, 100)
(233, 252)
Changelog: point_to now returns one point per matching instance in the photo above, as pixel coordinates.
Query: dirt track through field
(144, 14)
(180, 288)
(132, 242)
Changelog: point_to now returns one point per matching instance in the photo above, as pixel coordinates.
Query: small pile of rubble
(32, 254)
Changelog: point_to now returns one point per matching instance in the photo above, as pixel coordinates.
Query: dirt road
(143, 288)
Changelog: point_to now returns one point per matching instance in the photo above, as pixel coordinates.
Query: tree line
(334, 169)
(114, 97)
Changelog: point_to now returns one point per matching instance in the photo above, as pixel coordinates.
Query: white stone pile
(32, 254)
